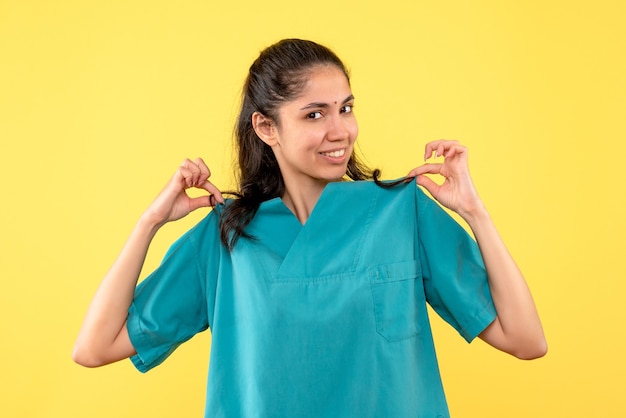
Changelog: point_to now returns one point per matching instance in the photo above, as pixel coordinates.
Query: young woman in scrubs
(314, 279)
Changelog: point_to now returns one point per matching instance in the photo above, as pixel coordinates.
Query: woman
(314, 288)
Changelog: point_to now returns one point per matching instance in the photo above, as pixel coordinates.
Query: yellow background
(100, 101)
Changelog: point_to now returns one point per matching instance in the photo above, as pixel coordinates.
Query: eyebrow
(315, 105)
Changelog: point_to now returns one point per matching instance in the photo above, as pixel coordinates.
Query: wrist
(475, 214)
(149, 223)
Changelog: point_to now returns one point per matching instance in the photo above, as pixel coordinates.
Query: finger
(428, 150)
(194, 169)
(200, 202)
(432, 168)
(455, 149)
(438, 147)
(446, 145)
(428, 184)
(187, 176)
(196, 173)
(205, 173)
(433, 149)
(214, 191)
(439, 151)
(186, 163)
(185, 170)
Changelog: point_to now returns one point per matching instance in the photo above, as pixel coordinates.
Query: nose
(338, 128)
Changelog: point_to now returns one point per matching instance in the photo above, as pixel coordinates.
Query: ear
(264, 128)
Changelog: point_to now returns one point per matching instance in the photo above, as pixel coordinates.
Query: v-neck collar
(278, 201)
(291, 251)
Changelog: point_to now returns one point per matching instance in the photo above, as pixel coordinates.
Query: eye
(346, 108)
(314, 115)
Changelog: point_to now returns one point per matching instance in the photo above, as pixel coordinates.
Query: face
(315, 133)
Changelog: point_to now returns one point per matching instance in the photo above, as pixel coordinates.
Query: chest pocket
(399, 301)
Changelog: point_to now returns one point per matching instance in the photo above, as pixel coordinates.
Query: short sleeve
(455, 279)
(170, 305)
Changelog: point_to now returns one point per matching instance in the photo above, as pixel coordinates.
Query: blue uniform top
(325, 319)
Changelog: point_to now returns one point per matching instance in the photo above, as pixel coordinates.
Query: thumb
(428, 184)
(199, 202)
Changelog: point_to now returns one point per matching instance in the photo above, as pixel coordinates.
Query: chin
(339, 176)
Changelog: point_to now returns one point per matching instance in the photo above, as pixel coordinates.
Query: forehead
(325, 83)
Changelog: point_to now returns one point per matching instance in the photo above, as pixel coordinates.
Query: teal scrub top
(325, 319)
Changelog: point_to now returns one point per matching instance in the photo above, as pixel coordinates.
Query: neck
(301, 199)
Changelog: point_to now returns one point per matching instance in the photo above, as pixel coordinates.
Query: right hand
(173, 202)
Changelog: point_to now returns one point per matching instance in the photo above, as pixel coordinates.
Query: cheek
(354, 131)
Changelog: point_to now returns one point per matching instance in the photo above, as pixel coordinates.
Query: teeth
(335, 154)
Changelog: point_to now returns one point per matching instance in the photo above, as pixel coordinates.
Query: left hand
(457, 192)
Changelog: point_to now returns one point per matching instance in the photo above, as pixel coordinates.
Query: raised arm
(103, 337)
(517, 328)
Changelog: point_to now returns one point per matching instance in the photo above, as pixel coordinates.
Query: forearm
(103, 337)
(517, 329)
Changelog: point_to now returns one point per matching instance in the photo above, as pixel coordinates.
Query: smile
(334, 154)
